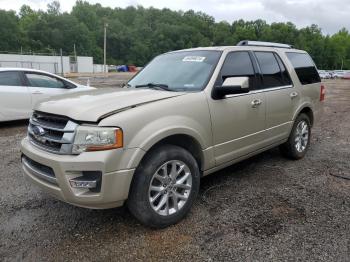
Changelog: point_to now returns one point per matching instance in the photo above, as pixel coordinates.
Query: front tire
(299, 138)
(164, 186)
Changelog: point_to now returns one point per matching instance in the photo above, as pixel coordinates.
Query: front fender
(160, 129)
(164, 127)
(146, 125)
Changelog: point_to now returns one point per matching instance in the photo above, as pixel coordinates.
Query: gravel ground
(111, 80)
(266, 208)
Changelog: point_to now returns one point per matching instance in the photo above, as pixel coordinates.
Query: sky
(331, 16)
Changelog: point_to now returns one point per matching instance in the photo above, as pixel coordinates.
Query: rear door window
(304, 68)
(286, 77)
(10, 79)
(238, 64)
(270, 70)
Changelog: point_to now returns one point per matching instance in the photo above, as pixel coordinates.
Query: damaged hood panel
(91, 106)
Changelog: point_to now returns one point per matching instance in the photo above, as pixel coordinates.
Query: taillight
(323, 92)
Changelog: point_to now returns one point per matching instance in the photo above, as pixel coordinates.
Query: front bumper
(114, 188)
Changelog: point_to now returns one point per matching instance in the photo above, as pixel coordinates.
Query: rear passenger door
(15, 100)
(282, 98)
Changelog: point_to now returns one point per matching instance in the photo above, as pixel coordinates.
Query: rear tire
(164, 186)
(299, 138)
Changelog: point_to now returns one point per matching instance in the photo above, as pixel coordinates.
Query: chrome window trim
(261, 91)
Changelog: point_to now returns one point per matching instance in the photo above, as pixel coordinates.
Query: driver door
(238, 121)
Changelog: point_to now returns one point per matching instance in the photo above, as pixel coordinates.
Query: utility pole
(75, 58)
(104, 48)
(342, 63)
(61, 62)
(21, 56)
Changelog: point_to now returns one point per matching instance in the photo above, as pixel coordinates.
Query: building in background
(52, 64)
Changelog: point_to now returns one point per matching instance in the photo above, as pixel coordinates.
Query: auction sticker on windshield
(193, 59)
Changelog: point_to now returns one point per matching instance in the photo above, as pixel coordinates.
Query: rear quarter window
(304, 67)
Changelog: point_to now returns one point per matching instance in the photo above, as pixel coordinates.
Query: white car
(338, 73)
(324, 74)
(21, 89)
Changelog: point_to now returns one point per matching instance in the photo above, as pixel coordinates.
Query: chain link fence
(45, 66)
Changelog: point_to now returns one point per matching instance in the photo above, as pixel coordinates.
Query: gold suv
(187, 114)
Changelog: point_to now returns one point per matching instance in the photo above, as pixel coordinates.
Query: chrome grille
(52, 133)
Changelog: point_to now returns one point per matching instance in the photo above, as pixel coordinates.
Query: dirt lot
(112, 80)
(264, 209)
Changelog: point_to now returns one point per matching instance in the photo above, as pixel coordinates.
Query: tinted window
(285, 74)
(270, 69)
(39, 80)
(10, 79)
(304, 67)
(238, 64)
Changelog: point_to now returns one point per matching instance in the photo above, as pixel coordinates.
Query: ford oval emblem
(38, 131)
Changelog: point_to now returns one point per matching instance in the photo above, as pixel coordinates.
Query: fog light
(77, 183)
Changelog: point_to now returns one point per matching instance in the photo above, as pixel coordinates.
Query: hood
(93, 105)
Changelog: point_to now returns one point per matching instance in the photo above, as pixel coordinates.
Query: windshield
(178, 71)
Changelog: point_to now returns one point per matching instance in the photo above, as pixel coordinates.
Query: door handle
(37, 93)
(256, 102)
(293, 95)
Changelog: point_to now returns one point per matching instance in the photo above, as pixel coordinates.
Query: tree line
(137, 34)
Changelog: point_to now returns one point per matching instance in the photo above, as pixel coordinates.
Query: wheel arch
(183, 140)
(187, 142)
(306, 109)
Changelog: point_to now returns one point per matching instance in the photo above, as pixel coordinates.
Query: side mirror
(231, 85)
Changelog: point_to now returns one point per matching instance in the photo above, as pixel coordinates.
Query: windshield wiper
(155, 86)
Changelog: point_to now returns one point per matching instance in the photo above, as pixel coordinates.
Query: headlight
(89, 138)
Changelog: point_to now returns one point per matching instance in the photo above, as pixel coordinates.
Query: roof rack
(260, 43)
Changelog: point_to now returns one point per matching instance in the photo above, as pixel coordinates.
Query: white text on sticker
(193, 59)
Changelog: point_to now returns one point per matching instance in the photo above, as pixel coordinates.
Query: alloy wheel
(170, 187)
(301, 136)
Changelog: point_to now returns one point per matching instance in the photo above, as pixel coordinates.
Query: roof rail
(260, 43)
